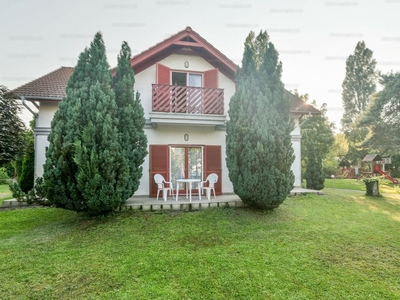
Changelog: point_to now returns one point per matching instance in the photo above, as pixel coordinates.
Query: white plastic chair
(160, 181)
(211, 179)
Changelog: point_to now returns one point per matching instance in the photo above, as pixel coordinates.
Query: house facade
(185, 85)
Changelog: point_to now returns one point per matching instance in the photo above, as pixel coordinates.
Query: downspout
(27, 107)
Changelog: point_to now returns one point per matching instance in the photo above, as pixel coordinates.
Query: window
(187, 79)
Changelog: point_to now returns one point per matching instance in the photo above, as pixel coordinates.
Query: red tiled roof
(51, 85)
(301, 107)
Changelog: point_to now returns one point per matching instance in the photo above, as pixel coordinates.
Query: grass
(5, 193)
(385, 186)
(342, 245)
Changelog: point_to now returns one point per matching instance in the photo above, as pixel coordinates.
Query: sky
(313, 38)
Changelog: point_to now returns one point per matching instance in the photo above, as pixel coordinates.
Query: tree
(133, 140)
(26, 177)
(383, 117)
(12, 129)
(85, 169)
(336, 154)
(259, 153)
(358, 86)
(315, 176)
(316, 129)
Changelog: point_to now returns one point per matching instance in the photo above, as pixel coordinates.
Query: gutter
(28, 108)
(43, 98)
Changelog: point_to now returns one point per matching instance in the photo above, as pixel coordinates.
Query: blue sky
(314, 38)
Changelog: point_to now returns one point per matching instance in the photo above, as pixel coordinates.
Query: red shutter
(163, 74)
(159, 164)
(213, 164)
(211, 78)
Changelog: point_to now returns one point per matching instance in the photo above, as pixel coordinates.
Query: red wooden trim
(159, 164)
(213, 164)
(163, 74)
(211, 78)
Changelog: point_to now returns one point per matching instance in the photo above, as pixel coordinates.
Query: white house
(185, 85)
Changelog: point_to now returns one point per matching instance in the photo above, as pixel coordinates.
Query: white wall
(46, 113)
(174, 135)
(42, 130)
(296, 144)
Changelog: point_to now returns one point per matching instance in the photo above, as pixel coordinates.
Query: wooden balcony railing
(187, 99)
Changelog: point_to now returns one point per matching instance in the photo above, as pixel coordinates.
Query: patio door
(174, 162)
(186, 162)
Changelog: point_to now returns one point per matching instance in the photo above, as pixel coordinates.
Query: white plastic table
(188, 182)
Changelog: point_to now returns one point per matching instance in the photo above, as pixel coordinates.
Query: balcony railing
(187, 99)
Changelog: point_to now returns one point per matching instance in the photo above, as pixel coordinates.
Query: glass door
(186, 162)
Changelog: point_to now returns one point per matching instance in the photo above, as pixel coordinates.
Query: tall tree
(12, 129)
(85, 169)
(133, 140)
(383, 117)
(358, 86)
(259, 153)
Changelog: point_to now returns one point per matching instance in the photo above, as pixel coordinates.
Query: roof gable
(372, 157)
(186, 42)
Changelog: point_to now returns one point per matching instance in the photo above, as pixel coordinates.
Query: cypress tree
(314, 175)
(27, 178)
(259, 152)
(85, 170)
(133, 140)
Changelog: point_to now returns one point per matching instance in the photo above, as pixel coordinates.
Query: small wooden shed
(369, 162)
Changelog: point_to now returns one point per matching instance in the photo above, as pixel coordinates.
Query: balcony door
(206, 79)
(187, 79)
(186, 162)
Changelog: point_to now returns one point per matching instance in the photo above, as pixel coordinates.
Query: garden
(340, 245)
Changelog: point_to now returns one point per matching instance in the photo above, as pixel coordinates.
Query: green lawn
(385, 186)
(5, 193)
(341, 245)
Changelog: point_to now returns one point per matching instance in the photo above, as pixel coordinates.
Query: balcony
(187, 100)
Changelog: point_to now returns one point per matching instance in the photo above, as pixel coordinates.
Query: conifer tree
(259, 152)
(85, 170)
(26, 175)
(314, 175)
(133, 140)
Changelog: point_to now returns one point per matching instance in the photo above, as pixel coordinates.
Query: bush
(3, 176)
(17, 193)
(372, 186)
(33, 196)
(329, 171)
